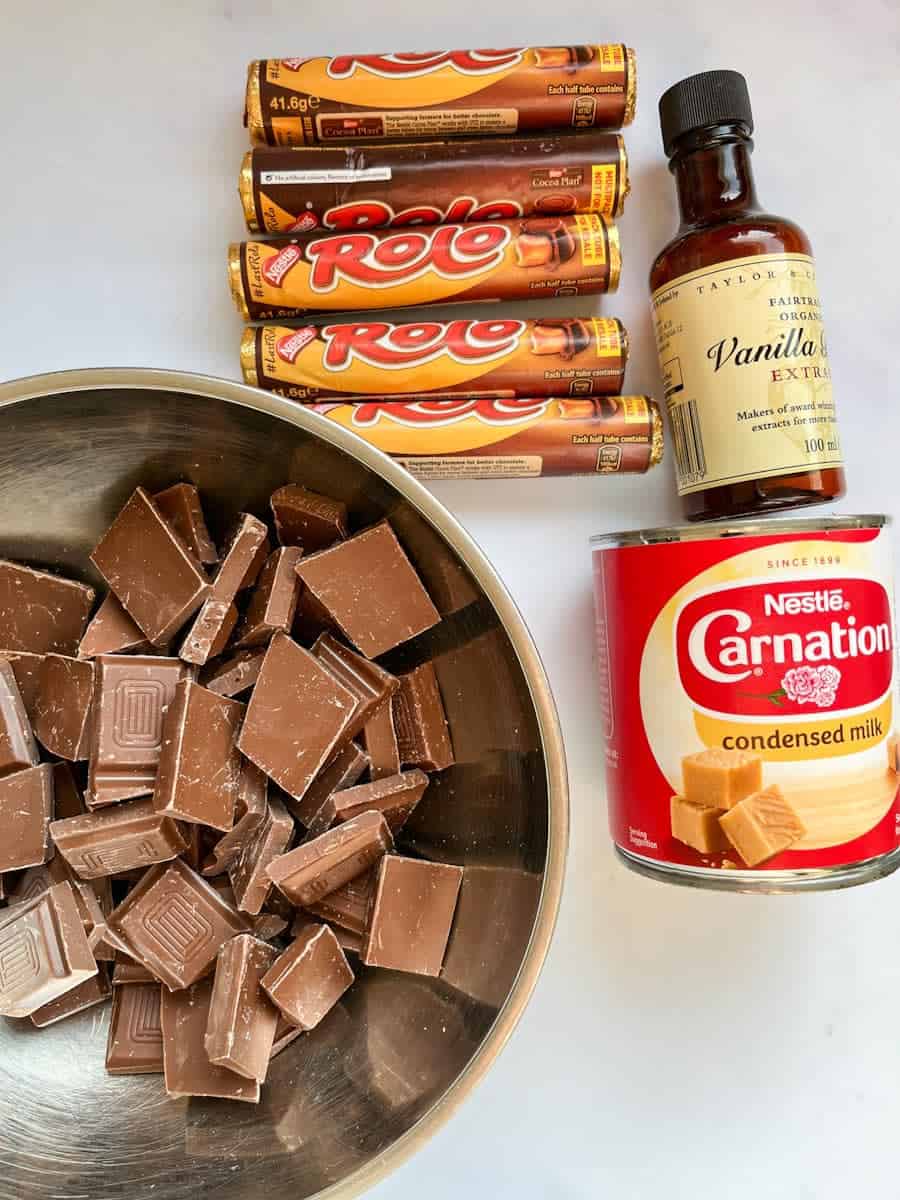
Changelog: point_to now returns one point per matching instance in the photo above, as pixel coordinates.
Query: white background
(679, 1044)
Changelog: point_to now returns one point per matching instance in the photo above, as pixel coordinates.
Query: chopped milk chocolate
(370, 590)
(209, 632)
(44, 951)
(342, 770)
(135, 1044)
(274, 601)
(411, 915)
(93, 991)
(720, 778)
(41, 613)
(309, 978)
(62, 715)
(242, 1021)
(370, 684)
(122, 837)
(325, 863)
(126, 972)
(762, 825)
(245, 554)
(394, 796)
(180, 505)
(698, 826)
(150, 570)
(92, 905)
(347, 906)
(420, 721)
(175, 924)
(296, 718)
(306, 519)
(249, 812)
(26, 810)
(26, 668)
(236, 674)
(17, 744)
(199, 766)
(248, 874)
(188, 1070)
(131, 696)
(111, 631)
(380, 740)
(285, 1035)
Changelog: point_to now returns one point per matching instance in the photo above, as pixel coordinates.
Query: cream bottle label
(745, 369)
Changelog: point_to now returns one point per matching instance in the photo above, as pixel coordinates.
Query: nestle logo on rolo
(751, 650)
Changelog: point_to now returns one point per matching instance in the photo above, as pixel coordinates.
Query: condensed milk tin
(748, 694)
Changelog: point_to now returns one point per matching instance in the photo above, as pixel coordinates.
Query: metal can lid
(738, 528)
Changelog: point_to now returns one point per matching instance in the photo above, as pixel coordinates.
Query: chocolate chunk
(188, 1071)
(151, 572)
(394, 797)
(120, 838)
(92, 905)
(135, 1045)
(296, 718)
(274, 601)
(209, 632)
(285, 1035)
(309, 978)
(40, 612)
(111, 631)
(63, 707)
(370, 685)
(242, 1020)
(420, 721)
(370, 590)
(236, 674)
(249, 811)
(411, 915)
(175, 924)
(491, 930)
(348, 906)
(307, 519)
(311, 619)
(93, 991)
(342, 770)
(26, 668)
(127, 971)
(380, 740)
(199, 766)
(268, 925)
(17, 744)
(180, 505)
(44, 951)
(248, 874)
(26, 810)
(67, 798)
(215, 622)
(325, 863)
(131, 694)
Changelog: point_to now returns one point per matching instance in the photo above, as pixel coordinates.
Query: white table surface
(679, 1044)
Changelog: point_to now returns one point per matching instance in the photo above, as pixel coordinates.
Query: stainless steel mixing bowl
(346, 1104)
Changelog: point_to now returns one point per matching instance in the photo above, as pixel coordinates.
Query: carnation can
(747, 683)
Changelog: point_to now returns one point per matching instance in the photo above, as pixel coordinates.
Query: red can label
(748, 688)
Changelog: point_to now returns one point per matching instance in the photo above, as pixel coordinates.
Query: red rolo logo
(275, 268)
(419, 414)
(389, 260)
(398, 347)
(802, 648)
(376, 214)
(395, 66)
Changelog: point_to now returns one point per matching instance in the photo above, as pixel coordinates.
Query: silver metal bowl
(349, 1102)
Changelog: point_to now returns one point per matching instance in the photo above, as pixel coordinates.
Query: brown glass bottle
(706, 132)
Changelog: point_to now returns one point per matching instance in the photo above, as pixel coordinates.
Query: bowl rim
(439, 517)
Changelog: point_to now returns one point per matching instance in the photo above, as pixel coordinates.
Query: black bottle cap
(711, 98)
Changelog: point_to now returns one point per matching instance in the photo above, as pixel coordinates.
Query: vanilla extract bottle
(738, 323)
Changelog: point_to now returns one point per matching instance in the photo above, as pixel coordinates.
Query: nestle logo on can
(287, 348)
(276, 268)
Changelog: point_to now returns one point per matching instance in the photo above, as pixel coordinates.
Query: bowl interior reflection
(339, 1097)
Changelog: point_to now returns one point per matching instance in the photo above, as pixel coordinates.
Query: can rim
(737, 528)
